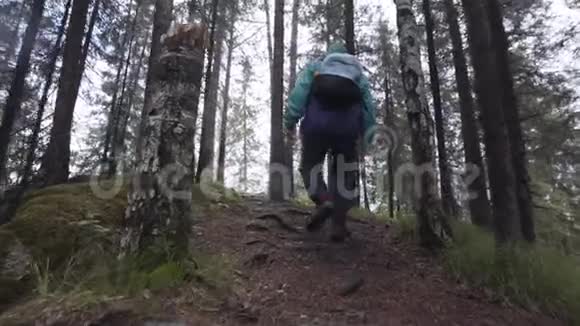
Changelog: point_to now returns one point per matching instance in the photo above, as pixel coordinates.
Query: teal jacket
(299, 95)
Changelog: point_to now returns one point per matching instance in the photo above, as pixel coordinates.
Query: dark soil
(290, 277)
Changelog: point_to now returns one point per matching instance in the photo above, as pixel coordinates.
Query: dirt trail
(290, 277)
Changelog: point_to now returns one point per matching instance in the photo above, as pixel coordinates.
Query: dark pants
(341, 189)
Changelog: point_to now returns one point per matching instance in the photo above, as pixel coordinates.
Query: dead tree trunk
(448, 198)
(499, 156)
(276, 181)
(428, 208)
(207, 141)
(512, 117)
(226, 96)
(479, 206)
(159, 209)
(57, 157)
(161, 23)
(49, 77)
(14, 100)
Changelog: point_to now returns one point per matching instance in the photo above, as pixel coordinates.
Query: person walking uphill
(333, 101)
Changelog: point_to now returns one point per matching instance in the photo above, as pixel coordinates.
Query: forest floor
(291, 277)
(286, 276)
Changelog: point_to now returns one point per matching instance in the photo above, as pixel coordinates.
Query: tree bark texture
(276, 180)
(349, 26)
(479, 205)
(57, 157)
(428, 208)
(291, 84)
(159, 206)
(16, 92)
(499, 156)
(161, 22)
(207, 141)
(512, 117)
(450, 206)
(49, 77)
(226, 102)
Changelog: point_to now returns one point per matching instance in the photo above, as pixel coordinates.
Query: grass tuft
(525, 274)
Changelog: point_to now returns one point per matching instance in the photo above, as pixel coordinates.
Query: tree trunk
(12, 44)
(14, 100)
(269, 33)
(428, 208)
(388, 117)
(246, 73)
(512, 118)
(226, 104)
(276, 185)
(112, 116)
(56, 160)
(49, 77)
(478, 199)
(207, 141)
(334, 12)
(349, 26)
(209, 69)
(121, 108)
(499, 157)
(448, 198)
(291, 84)
(161, 23)
(136, 74)
(159, 210)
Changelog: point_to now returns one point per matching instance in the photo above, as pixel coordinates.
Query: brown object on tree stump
(159, 209)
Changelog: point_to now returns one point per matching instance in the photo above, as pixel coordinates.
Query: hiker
(333, 101)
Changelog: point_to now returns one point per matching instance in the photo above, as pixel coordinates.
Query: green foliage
(522, 273)
(71, 236)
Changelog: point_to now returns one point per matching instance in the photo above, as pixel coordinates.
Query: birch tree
(428, 207)
(159, 209)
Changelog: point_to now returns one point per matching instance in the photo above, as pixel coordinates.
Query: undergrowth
(528, 275)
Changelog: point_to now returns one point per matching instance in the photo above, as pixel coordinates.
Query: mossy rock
(50, 227)
(57, 222)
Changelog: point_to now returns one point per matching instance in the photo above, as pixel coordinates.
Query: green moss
(56, 222)
(166, 276)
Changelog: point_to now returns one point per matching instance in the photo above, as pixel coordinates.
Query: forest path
(289, 277)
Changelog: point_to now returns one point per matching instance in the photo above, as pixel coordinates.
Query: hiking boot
(317, 220)
(339, 232)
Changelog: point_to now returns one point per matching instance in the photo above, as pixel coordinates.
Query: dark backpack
(334, 108)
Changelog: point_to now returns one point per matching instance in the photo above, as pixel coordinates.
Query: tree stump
(159, 208)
